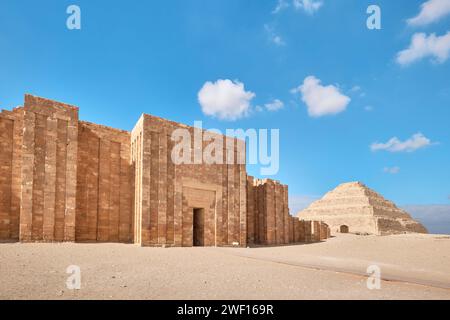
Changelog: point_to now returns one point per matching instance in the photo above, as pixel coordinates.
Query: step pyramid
(353, 207)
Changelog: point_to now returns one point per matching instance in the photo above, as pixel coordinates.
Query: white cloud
(422, 46)
(225, 99)
(309, 6)
(393, 170)
(275, 105)
(431, 11)
(273, 36)
(417, 141)
(281, 5)
(321, 100)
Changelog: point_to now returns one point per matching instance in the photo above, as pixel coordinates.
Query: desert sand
(412, 267)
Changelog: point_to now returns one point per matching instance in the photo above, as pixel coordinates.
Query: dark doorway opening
(199, 227)
(344, 229)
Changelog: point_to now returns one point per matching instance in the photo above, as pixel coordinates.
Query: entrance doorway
(344, 229)
(199, 227)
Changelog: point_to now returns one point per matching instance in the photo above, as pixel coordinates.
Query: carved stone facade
(62, 179)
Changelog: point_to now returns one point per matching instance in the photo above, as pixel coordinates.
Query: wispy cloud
(321, 100)
(357, 90)
(273, 36)
(275, 105)
(281, 5)
(423, 46)
(431, 11)
(391, 170)
(309, 6)
(417, 141)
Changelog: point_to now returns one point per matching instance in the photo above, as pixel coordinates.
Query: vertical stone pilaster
(50, 180)
(6, 175)
(170, 189)
(104, 191)
(71, 178)
(125, 203)
(162, 189)
(243, 205)
(26, 208)
(16, 188)
(115, 195)
(154, 183)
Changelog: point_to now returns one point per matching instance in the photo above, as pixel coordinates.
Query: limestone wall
(62, 179)
(104, 185)
(268, 216)
(170, 192)
(49, 164)
(10, 172)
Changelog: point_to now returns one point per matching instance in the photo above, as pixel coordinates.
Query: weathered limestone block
(104, 203)
(268, 219)
(308, 231)
(6, 174)
(49, 151)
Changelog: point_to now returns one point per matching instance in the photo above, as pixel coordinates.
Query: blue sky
(155, 56)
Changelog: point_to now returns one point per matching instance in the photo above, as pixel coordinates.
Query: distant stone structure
(268, 218)
(62, 179)
(353, 207)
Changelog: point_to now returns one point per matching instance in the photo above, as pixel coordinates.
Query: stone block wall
(62, 179)
(10, 172)
(268, 216)
(169, 193)
(49, 165)
(104, 185)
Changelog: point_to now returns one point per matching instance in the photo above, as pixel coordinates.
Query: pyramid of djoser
(353, 207)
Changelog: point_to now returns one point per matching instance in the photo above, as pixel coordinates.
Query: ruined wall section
(104, 185)
(268, 219)
(49, 166)
(167, 193)
(11, 124)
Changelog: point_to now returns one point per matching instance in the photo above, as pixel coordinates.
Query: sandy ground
(412, 267)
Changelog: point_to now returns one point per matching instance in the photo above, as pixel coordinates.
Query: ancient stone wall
(169, 193)
(268, 216)
(10, 172)
(49, 165)
(62, 179)
(104, 185)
